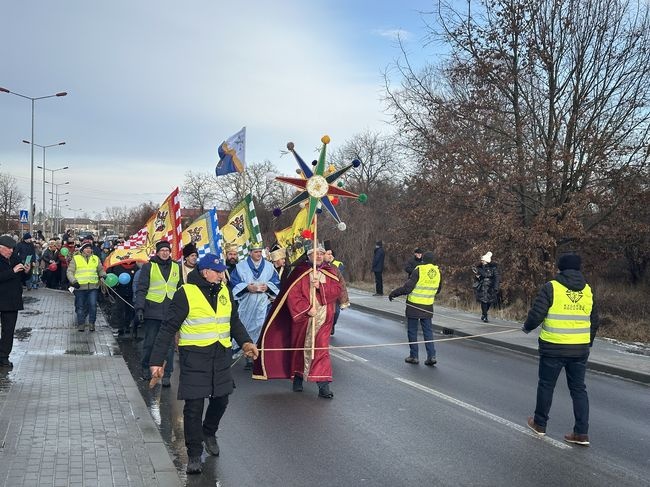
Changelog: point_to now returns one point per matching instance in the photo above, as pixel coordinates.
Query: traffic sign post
(24, 216)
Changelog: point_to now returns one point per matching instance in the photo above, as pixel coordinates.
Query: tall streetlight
(52, 171)
(31, 191)
(43, 168)
(75, 210)
(55, 194)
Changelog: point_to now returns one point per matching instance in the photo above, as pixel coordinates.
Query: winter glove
(391, 296)
(523, 328)
(139, 314)
(76, 285)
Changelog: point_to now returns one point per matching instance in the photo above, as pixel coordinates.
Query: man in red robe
(301, 317)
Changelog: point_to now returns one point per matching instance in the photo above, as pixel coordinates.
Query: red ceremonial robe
(289, 326)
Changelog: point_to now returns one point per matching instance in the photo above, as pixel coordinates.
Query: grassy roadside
(624, 310)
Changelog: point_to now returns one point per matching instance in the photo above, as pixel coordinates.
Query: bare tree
(118, 216)
(200, 190)
(10, 199)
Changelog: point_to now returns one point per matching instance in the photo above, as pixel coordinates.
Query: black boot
(324, 390)
(297, 384)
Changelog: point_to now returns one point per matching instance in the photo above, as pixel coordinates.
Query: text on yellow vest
(86, 270)
(158, 287)
(203, 325)
(426, 288)
(568, 319)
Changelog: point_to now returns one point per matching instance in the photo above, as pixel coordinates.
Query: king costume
(290, 326)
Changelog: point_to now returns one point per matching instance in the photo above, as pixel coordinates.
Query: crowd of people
(212, 310)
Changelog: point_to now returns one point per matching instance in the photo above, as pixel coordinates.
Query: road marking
(349, 355)
(340, 356)
(485, 414)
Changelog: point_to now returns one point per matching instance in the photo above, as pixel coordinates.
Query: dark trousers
(484, 308)
(85, 304)
(379, 283)
(427, 333)
(8, 320)
(549, 370)
(196, 427)
(151, 328)
(51, 278)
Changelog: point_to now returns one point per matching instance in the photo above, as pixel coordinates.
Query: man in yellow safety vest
(84, 273)
(205, 313)
(565, 309)
(421, 288)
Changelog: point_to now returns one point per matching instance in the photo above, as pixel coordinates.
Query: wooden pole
(312, 298)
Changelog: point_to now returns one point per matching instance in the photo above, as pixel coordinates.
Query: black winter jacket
(414, 310)
(378, 259)
(205, 371)
(154, 311)
(575, 281)
(412, 263)
(488, 282)
(11, 286)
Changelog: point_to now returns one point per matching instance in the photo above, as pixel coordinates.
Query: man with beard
(232, 258)
(158, 280)
(190, 256)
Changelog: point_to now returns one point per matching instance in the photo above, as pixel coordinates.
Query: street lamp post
(55, 194)
(52, 171)
(75, 210)
(43, 168)
(31, 190)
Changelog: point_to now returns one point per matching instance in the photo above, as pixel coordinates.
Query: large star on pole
(316, 186)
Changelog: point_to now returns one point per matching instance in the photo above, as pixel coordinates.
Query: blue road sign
(24, 216)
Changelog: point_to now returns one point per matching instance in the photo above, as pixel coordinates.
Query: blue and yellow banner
(232, 154)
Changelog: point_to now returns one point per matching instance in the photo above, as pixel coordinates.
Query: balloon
(111, 279)
(52, 267)
(64, 251)
(124, 278)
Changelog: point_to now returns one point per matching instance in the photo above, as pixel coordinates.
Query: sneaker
(540, 430)
(431, 361)
(166, 382)
(81, 328)
(211, 446)
(92, 327)
(297, 384)
(324, 391)
(194, 465)
(577, 439)
(411, 360)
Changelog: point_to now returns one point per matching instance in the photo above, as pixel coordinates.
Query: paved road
(394, 424)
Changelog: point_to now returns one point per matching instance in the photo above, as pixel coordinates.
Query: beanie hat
(569, 261)
(27, 236)
(189, 249)
(85, 245)
(7, 241)
(163, 244)
(487, 257)
(417, 251)
(427, 258)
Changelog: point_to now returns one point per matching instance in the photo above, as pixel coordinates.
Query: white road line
(338, 355)
(349, 355)
(482, 412)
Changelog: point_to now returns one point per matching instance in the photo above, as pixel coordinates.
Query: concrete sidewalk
(70, 412)
(606, 355)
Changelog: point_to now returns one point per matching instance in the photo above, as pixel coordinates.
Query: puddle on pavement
(22, 334)
(30, 312)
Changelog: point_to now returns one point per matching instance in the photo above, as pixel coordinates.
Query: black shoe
(378, 294)
(431, 361)
(146, 374)
(4, 362)
(411, 360)
(297, 384)
(211, 446)
(332, 332)
(81, 328)
(194, 465)
(249, 364)
(484, 318)
(324, 391)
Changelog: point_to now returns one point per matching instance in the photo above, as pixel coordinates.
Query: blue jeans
(151, 328)
(85, 304)
(427, 332)
(549, 370)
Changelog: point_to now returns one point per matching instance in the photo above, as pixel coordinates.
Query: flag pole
(313, 287)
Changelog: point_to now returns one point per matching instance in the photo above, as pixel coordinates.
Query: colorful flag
(232, 154)
(164, 224)
(242, 228)
(291, 237)
(204, 233)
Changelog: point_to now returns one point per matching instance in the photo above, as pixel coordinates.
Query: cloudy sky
(155, 86)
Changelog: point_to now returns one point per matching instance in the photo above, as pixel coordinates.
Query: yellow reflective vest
(203, 325)
(337, 263)
(86, 270)
(427, 286)
(158, 287)
(568, 319)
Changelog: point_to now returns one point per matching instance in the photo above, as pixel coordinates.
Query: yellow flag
(291, 237)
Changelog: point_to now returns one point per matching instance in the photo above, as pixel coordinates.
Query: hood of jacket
(572, 279)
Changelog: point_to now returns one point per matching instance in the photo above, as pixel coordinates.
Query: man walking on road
(158, 280)
(11, 296)
(84, 272)
(421, 288)
(565, 309)
(206, 315)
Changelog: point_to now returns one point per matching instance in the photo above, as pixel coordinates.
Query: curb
(591, 365)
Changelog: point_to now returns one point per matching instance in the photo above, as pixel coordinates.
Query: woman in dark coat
(11, 296)
(486, 284)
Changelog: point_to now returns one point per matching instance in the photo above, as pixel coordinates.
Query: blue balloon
(125, 278)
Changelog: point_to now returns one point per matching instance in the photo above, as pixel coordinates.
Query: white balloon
(342, 226)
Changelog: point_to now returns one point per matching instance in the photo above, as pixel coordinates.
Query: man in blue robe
(255, 283)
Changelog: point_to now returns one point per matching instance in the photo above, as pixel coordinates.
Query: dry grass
(624, 310)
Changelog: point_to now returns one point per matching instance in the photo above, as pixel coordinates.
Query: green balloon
(111, 279)
(64, 251)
